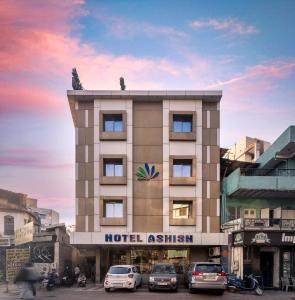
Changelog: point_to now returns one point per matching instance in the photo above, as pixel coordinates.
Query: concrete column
(97, 265)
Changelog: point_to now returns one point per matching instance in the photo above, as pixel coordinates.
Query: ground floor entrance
(98, 259)
(270, 256)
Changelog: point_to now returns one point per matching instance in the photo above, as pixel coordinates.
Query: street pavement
(95, 292)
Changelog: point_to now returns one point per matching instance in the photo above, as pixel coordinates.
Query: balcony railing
(269, 224)
(267, 172)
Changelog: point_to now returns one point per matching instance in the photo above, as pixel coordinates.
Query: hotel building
(147, 177)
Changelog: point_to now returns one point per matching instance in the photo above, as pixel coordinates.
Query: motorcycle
(51, 281)
(81, 280)
(249, 284)
(67, 280)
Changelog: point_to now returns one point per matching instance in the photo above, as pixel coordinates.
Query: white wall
(113, 147)
(182, 148)
(19, 219)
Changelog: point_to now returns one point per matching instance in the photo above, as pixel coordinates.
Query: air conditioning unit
(214, 251)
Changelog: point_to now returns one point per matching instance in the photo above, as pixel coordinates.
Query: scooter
(81, 280)
(249, 284)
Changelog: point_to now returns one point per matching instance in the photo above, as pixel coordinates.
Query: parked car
(122, 277)
(163, 276)
(206, 276)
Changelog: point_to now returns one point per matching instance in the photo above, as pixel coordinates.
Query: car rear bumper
(209, 285)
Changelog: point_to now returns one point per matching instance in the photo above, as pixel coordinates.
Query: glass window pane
(177, 126)
(177, 170)
(109, 210)
(181, 210)
(118, 210)
(118, 126)
(118, 170)
(186, 127)
(109, 170)
(186, 171)
(109, 126)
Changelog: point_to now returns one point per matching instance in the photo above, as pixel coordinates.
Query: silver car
(206, 276)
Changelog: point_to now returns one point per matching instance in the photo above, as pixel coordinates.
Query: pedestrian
(77, 272)
(26, 280)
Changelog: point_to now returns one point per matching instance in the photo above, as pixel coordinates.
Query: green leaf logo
(146, 173)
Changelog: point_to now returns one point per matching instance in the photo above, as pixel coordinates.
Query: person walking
(76, 272)
(26, 280)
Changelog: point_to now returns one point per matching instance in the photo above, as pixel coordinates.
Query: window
(8, 225)
(249, 213)
(182, 123)
(182, 209)
(182, 168)
(113, 167)
(113, 209)
(113, 123)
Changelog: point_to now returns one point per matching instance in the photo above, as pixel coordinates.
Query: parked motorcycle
(51, 281)
(67, 280)
(81, 280)
(249, 284)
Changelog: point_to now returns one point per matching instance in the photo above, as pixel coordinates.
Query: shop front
(148, 249)
(269, 254)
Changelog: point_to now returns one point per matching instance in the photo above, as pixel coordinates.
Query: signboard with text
(15, 259)
(24, 234)
(264, 238)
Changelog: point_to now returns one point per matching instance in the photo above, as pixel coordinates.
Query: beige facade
(248, 149)
(183, 209)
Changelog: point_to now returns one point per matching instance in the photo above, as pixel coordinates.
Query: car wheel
(107, 290)
(134, 288)
(220, 292)
(150, 289)
(140, 284)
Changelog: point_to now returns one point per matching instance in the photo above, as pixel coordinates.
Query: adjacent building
(248, 150)
(147, 177)
(258, 209)
(48, 217)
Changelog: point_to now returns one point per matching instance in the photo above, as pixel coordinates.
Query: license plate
(210, 277)
(118, 284)
(162, 283)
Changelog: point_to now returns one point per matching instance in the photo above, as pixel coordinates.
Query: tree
(76, 84)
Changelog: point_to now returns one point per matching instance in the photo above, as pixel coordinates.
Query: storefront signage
(149, 238)
(146, 172)
(238, 239)
(24, 234)
(15, 259)
(276, 238)
(260, 238)
(4, 242)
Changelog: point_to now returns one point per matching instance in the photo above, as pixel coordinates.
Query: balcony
(259, 224)
(260, 183)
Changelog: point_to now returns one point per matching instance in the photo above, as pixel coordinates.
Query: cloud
(30, 158)
(125, 29)
(230, 25)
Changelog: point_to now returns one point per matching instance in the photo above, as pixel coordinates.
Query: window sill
(113, 180)
(113, 221)
(182, 181)
(113, 136)
(182, 136)
(182, 222)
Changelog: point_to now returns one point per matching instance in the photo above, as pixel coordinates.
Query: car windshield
(119, 270)
(164, 269)
(209, 268)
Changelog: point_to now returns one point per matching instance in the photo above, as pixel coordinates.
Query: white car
(122, 277)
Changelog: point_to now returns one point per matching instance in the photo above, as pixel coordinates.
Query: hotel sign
(24, 234)
(148, 238)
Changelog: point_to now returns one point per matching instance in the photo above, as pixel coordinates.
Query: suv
(122, 276)
(163, 276)
(206, 275)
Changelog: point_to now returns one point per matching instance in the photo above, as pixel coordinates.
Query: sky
(244, 48)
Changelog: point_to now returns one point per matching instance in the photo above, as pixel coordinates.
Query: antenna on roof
(122, 84)
(76, 84)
